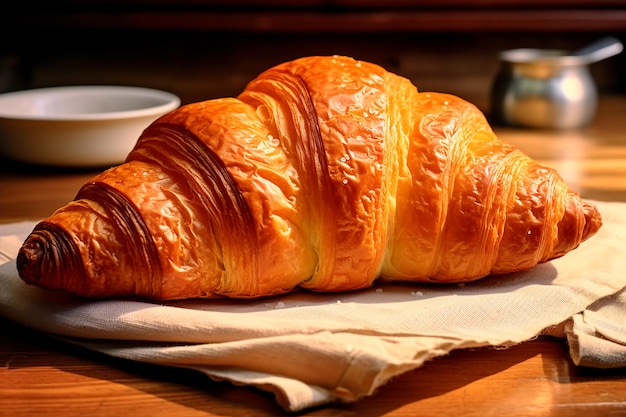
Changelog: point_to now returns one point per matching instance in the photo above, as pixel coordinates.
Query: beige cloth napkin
(310, 349)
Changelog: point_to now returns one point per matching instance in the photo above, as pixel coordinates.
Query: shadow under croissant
(380, 292)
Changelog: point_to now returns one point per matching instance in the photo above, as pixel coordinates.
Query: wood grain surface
(41, 375)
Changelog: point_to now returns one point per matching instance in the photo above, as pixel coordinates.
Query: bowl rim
(170, 101)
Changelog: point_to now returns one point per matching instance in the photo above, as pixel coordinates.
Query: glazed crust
(326, 173)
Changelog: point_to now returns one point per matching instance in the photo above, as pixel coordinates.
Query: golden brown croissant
(326, 173)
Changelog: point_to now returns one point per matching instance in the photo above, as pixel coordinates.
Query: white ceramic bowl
(78, 126)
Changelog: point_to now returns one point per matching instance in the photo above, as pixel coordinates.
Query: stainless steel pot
(549, 88)
(543, 89)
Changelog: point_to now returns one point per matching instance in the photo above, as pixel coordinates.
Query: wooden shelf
(350, 21)
(202, 49)
(311, 16)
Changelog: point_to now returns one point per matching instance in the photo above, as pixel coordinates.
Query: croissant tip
(593, 220)
(29, 260)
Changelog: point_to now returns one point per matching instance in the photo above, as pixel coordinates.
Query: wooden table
(40, 375)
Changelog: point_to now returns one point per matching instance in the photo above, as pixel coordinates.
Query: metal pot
(543, 89)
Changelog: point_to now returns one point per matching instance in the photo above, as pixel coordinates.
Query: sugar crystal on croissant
(325, 173)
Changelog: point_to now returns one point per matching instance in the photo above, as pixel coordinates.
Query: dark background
(202, 49)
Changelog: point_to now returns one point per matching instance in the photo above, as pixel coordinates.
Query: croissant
(325, 173)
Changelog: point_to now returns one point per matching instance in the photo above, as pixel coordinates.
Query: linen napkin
(310, 349)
